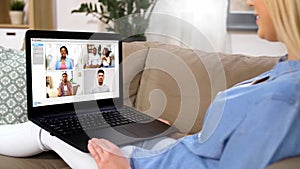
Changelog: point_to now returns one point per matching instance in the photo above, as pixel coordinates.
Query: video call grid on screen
(83, 61)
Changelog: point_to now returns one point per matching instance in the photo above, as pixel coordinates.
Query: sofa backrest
(178, 84)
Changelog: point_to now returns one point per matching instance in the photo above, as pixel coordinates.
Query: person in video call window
(259, 123)
(94, 59)
(63, 62)
(105, 57)
(100, 87)
(65, 87)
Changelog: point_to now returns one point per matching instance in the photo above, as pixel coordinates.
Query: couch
(164, 81)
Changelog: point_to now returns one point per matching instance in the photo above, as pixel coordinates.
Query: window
(240, 16)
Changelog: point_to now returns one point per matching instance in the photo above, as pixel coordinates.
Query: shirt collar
(284, 66)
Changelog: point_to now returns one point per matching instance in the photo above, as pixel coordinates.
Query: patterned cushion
(13, 102)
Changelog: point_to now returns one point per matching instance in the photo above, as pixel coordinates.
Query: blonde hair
(286, 18)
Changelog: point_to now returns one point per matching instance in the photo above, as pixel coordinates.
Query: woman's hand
(107, 155)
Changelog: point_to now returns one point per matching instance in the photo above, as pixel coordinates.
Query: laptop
(75, 91)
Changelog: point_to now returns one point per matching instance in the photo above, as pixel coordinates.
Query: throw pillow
(13, 102)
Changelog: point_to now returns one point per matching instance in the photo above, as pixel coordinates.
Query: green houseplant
(130, 18)
(17, 5)
(16, 11)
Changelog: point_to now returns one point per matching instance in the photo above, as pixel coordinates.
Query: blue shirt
(68, 62)
(246, 127)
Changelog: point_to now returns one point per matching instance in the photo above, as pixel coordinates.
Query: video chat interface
(68, 70)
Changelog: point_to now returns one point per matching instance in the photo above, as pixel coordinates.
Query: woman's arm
(258, 139)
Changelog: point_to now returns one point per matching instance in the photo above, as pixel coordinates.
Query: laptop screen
(73, 70)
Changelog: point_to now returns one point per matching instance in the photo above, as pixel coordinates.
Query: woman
(64, 62)
(259, 124)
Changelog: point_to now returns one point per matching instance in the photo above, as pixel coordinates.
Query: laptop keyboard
(78, 123)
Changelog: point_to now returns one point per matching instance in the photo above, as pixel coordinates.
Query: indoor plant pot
(16, 12)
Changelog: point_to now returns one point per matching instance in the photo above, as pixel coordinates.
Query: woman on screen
(63, 62)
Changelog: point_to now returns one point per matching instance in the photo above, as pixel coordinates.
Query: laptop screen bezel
(57, 109)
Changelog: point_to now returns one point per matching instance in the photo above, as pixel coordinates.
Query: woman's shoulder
(68, 59)
(285, 88)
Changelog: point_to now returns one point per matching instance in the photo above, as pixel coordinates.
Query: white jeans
(27, 139)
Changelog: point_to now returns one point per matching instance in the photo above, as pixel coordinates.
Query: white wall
(249, 43)
(77, 21)
(239, 42)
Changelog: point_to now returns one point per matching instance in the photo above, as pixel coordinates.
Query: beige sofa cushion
(169, 86)
(290, 163)
(134, 56)
(241, 67)
(179, 84)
